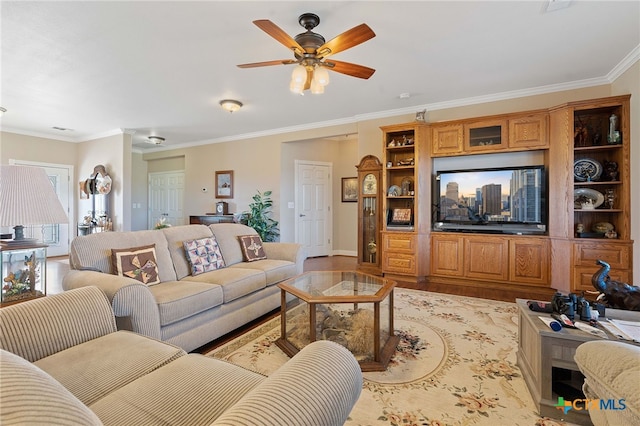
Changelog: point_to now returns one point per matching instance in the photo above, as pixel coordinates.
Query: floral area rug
(455, 365)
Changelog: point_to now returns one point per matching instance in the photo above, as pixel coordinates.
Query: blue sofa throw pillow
(203, 255)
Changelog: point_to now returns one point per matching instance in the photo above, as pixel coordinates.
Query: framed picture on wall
(350, 190)
(224, 184)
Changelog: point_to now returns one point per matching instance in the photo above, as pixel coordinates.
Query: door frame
(297, 201)
(71, 231)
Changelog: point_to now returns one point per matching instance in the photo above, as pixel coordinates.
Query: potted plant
(258, 217)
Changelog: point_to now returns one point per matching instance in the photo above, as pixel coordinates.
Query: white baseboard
(344, 253)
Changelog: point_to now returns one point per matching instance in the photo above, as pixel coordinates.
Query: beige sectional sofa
(62, 361)
(185, 310)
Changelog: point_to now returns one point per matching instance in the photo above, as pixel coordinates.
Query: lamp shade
(28, 198)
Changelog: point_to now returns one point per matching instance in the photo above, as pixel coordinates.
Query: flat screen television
(510, 200)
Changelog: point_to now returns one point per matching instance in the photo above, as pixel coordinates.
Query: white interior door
(314, 226)
(56, 236)
(166, 198)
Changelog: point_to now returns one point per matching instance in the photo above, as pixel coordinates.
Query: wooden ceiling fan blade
(347, 68)
(276, 32)
(346, 40)
(267, 63)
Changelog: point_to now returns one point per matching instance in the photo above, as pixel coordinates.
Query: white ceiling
(160, 68)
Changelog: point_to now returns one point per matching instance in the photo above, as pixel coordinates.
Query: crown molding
(626, 63)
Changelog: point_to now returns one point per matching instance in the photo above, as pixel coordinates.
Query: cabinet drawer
(582, 277)
(399, 263)
(399, 242)
(616, 255)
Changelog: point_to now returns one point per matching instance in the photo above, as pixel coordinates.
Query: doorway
(57, 235)
(166, 198)
(313, 216)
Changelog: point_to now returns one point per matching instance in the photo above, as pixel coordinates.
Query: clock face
(219, 208)
(369, 184)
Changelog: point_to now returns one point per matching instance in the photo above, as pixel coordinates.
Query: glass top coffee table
(349, 308)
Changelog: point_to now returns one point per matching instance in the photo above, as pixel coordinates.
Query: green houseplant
(258, 217)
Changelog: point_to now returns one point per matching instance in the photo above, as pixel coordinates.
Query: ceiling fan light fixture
(316, 87)
(299, 74)
(230, 105)
(296, 87)
(321, 75)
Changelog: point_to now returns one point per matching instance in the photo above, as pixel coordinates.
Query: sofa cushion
(612, 371)
(176, 236)
(195, 390)
(181, 299)
(252, 248)
(275, 270)
(227, 235)
(31, 396)
(235, 282)
(203, 255)
(96, 368)
(94, 250)
(138, 263)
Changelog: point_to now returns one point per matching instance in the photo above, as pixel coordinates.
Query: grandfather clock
(369, 214)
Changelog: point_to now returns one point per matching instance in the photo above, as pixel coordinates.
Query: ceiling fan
(311, 52)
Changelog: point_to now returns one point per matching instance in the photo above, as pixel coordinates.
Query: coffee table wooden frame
(382, 351)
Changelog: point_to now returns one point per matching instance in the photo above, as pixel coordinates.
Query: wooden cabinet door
(529, 261)
(485, 136)
(446, 140)
(585, 254)
(486, 257)
(529, 132)
(446, 255)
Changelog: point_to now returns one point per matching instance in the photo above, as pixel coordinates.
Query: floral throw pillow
(203, 255)
(138, 263)
(252, 248)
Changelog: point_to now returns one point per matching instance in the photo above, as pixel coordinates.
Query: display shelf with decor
(593, 137)
(369, 214)
(405, 226)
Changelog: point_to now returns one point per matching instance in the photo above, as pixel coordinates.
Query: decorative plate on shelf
(394, 191)
(581, 195)
(587, 169)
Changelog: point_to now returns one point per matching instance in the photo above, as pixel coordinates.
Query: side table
(545, 358)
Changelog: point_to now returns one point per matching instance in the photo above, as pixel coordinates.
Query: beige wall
(266, 163)
(629, 82)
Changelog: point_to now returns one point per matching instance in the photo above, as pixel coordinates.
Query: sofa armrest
(286, 251)
(39, 328)
(318, 386)
(612, 372)
(132, 302)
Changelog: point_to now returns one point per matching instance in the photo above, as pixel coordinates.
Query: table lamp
(27, 197)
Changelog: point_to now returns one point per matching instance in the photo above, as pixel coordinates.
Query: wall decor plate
(587, 169)
(597, 198)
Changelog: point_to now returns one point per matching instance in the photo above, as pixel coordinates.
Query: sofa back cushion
(94, 251)
(175, 237)
(227, 236)
(31, 396)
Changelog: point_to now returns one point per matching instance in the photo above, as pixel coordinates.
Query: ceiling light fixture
(156, 139)
(230, 105)
(2, 111)
(301, 73)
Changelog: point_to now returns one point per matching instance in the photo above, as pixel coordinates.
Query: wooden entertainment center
(584, 160)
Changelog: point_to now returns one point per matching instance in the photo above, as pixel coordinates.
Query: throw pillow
(203, 255)
(138, 263)
(252, 248)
